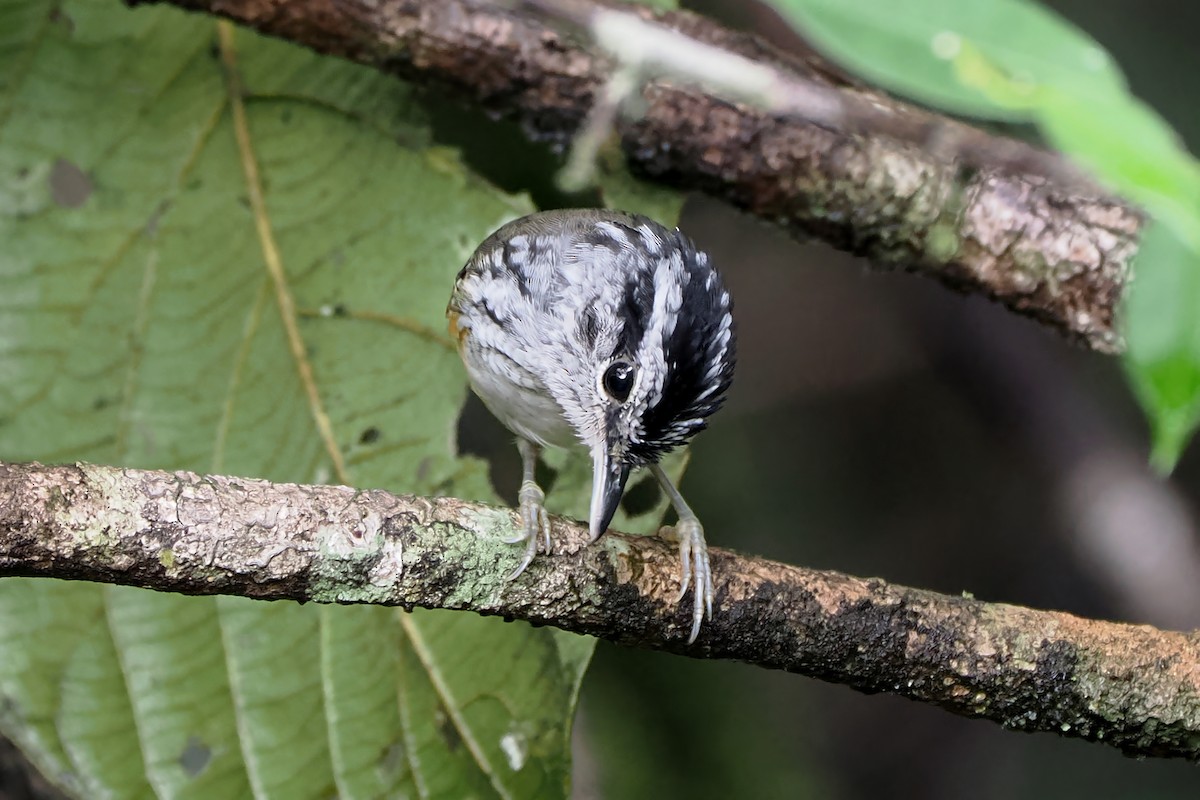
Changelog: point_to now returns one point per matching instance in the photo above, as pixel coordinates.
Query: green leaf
(42, 624)
(913, 46)
(140, 325)
(358, 674)
(1164, 340)
(1132, 149)
(95, 719)
(174, 665)
(1014, 59)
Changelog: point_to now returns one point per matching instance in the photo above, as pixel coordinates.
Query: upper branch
(867, 173)
(1133, 687)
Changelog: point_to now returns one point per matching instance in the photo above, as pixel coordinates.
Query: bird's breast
(524, 407)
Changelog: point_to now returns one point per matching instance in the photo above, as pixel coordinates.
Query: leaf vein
(421, 648)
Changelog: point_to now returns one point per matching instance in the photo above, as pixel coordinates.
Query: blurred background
(883, 426)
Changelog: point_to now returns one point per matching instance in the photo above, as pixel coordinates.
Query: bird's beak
(608, 482)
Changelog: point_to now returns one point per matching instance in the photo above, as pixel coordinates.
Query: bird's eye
(618, 380)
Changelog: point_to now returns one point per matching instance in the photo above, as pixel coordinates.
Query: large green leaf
(1015, 59)
(140, 325)
(912, 46)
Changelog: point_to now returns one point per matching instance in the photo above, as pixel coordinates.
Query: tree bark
(1132, 687)
(907, 188)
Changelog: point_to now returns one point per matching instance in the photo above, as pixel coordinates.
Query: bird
(603, 331)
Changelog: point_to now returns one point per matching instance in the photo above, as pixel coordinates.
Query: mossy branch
(800, 145)
(1135, 688)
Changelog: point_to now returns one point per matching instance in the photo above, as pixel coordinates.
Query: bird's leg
(535, 522)
(693, 553)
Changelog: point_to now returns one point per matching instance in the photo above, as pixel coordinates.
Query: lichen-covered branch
(905, 187)
(1133, 687)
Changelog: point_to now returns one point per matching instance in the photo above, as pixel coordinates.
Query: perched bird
(603, 330)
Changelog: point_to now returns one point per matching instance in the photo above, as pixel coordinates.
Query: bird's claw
(693, 565)
(535, 525)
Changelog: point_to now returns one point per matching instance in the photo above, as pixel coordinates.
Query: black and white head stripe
(678, 328)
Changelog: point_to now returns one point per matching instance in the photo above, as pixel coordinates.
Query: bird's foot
(535, 525)
(694, 568)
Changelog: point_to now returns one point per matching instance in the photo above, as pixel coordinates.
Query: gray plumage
(597, 329)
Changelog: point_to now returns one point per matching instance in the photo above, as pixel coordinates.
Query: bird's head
(599, 327)
(658, 347)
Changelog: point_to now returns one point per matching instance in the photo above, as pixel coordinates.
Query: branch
(1133, 687)
(871, 175)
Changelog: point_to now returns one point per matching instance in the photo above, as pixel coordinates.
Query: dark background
(883, 426)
